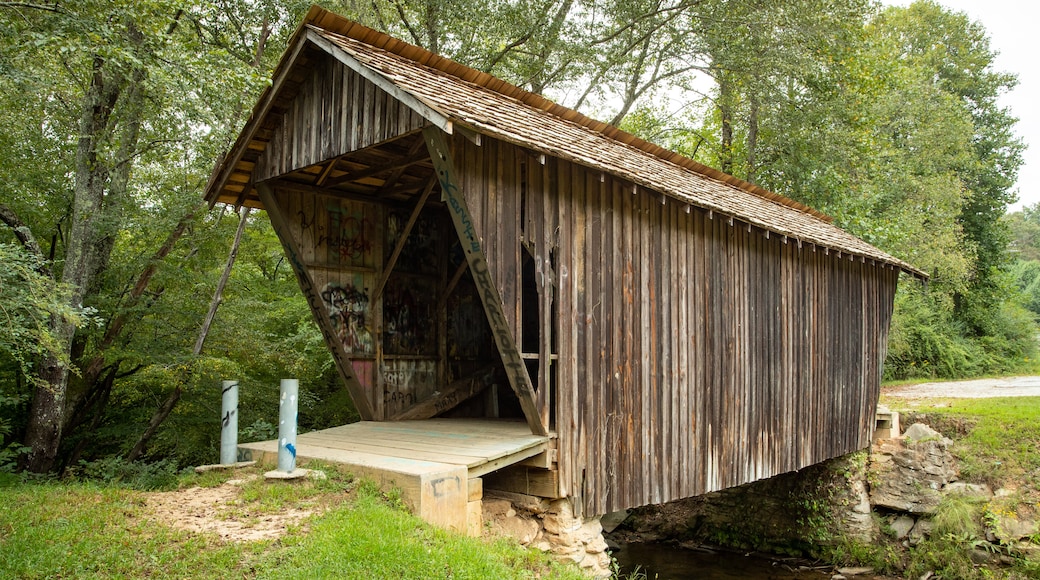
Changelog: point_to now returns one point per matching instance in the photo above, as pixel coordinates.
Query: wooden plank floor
(479, 445)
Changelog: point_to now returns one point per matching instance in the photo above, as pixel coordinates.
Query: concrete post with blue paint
(229, 423)
(287, 414)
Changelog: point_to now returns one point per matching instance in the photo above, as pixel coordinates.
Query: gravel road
(976, 389)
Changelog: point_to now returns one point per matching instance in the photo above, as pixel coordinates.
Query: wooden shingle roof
(459, 96)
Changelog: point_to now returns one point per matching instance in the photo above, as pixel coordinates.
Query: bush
(928, 341)
(159, 475)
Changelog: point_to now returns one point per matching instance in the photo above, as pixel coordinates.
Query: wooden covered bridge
(514, 291)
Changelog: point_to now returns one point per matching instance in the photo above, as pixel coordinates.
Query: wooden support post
(321, 315)
(456, 277)
(451, 194)
(525, 480)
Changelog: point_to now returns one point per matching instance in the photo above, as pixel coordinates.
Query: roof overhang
(327, 33)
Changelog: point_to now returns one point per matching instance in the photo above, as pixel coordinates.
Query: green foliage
(116, 471)
(886, 120)
(884, 556)
(957, 531)
(28, 299)
(927, 340)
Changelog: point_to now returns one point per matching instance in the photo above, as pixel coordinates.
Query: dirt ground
(219, 510)
(975, 389)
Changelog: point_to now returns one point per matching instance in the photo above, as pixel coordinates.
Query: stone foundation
(549, 526)
(787, 514)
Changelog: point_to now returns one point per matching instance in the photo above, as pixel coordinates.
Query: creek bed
(666, 561)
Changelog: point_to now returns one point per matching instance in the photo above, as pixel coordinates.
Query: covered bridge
(473, 250)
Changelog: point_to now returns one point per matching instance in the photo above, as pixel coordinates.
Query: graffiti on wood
(347, 307)
(478, 266)
(407, 310)
(346, 232)
(406, 382)
(314, 300)
(419, 253)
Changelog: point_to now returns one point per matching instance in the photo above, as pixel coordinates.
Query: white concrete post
(287, 411)
(229, 423)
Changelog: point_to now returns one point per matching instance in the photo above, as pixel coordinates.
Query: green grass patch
(91, 529)
(51, 530)
(374, 540)
(997, 440)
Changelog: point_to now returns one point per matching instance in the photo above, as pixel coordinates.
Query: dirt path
(220, 510)
(975, 389)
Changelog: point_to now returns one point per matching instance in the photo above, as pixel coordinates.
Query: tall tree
(115, 96)
(952, 53)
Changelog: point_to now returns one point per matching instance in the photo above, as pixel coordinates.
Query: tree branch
(25, 236)
(45, 7)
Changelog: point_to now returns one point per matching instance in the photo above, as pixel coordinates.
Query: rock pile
(912, 474)
(550, 526)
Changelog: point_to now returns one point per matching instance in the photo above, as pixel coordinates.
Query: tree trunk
(726, 119)
(47, 413)
(752, 138)
(99, 183)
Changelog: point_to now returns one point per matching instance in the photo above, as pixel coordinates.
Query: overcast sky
(1012, 31)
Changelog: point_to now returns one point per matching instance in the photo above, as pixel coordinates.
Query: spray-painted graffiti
(419, 253)
(347, 235)
(314, 300)
(408, 316)
(347, 307)
(514, 365)
(407, 382)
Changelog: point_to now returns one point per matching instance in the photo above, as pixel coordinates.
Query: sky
(1012, 33)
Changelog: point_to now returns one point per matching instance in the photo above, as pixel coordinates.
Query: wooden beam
(318, 309)
(391, 181)
(507, 460)
(326, 172)
(451, 194)
(449, 397)
(452, 284)
(376, 170)
(525, 480)
(402, 239)
(286, 185)
(432, 115)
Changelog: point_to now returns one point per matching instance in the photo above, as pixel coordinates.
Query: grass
(78, 531)
(996, 442)
(346, 544)
(87, 530)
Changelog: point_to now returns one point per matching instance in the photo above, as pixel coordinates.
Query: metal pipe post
(287, 411)
(229, 423)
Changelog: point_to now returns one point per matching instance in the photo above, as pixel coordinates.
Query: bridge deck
(433, 461)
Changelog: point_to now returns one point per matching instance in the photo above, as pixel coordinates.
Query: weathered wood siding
(694, 354)
(336, 111)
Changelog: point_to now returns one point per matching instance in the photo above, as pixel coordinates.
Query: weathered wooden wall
(336, 111)
(694, 354)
